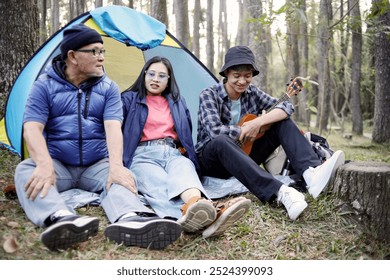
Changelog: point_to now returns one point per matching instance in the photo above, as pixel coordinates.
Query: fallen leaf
(10, 245)
(13, 224)
(10, 192)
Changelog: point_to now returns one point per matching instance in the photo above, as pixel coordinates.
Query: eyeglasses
(151, 75)
(95, 52)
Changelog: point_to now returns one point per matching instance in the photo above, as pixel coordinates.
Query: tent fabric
(125, 25)
(130, 38)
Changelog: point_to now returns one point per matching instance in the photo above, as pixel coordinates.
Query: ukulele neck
(285, 97)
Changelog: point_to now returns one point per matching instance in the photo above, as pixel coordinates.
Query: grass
(323, 231)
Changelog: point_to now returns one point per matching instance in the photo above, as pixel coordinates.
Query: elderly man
(72, 128)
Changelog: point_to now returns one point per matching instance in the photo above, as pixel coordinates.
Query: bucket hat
(239, 55)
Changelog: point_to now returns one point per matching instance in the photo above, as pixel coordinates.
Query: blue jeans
(117, 202)
(164, 173)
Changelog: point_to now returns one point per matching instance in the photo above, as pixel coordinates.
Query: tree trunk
(342, 87)
(258, 43)
(292, 56)
(365, 186)
(241, 24)
(323, 38)
(224, 42)
(381, 131)
(42, 22)
(159, 11)
(196, 34)
(210, 37)
(356, 63)
(80, 7)
(182, 24)
(55, 16)
(98, 3)
(19, 39)
(303, 52)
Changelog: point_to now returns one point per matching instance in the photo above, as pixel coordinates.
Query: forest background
(341, 48)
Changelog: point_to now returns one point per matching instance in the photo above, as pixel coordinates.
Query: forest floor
(322, 232)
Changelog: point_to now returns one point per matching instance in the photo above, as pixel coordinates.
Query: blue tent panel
(21, 89)
(129, 26)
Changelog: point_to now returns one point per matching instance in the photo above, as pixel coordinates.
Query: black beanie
(78, 36)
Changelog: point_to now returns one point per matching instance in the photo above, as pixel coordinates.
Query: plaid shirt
(214, 111)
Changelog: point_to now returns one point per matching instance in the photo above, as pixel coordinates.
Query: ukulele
(292, 89)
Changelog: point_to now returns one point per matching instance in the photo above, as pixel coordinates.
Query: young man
(220, 110)
(72, 128)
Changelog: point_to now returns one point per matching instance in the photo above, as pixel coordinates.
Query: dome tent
(130, 39)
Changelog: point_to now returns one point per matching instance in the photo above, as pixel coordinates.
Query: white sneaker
(318, 178)
(293, 200)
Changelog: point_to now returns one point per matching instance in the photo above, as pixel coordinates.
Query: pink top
(159, 123)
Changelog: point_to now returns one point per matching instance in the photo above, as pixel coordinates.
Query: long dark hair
(139, 84)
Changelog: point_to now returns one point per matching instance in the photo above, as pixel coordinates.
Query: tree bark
(258, 43)
(182, 24)
(42, 22)
(365, 186)
(381, 131)
(224, 41)
(196, 33)
(19, 39)
(210, 37)
(98, 3)
(323, 38)
(55, 16)
(292, 56)
(356, 63)
(303, 52)
(159, 11)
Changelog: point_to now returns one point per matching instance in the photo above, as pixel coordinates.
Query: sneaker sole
(339, 160)
(198, 216)
(228, 218)
(152, 235)
(65, 234)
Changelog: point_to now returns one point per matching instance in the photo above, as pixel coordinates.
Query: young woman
(158, 148)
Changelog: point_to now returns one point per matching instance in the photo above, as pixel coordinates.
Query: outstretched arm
(118, 173)
(43, 176)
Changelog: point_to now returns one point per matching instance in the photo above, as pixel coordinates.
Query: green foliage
(379, 8)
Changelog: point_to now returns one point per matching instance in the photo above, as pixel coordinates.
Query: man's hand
(42, 179)
(249, 130)
(121, 175)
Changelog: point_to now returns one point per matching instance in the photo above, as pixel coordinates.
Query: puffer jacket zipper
(87, 98)
(79, 95)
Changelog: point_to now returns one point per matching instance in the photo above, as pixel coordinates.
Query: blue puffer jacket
(135, 111)
(73, 116)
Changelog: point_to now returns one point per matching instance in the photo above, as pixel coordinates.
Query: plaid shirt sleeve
(255, 101)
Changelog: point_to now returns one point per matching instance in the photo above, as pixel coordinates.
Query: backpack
(319, 145)
(278, 164)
